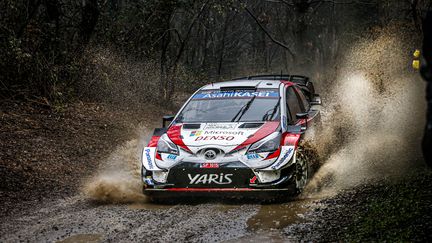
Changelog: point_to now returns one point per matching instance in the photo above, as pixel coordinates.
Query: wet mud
(79, 219)
(278, 216)
(82, 238)
(148, 206)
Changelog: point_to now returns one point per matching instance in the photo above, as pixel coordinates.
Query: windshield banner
(236, 94)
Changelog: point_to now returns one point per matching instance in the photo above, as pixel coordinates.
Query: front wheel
(307, 163)
(302, 170)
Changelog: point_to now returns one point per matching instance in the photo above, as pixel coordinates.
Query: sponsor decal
(284, 123)
(172, 157)
(253, 180)
(253, 156)
(223, 133)
(149, 159)
(149, 181)
(286, 155)
(235, 94)
(195, 133)
(210, 126)
(220, 179)
(209, 165)
(215, 138)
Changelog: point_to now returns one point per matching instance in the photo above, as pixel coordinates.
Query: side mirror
(295, 129)
(305, 117)
(316, 100)
(165, 119)
(302, 115)
(159, 131)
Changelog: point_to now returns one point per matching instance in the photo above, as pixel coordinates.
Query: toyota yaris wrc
(239, 136)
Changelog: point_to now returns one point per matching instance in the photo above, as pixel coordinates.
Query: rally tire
(302, 171)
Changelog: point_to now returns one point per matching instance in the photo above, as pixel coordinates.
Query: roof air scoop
(237, 88)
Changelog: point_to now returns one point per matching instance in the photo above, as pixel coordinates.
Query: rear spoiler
(304, 82)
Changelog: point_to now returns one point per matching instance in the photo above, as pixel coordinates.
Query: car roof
(258, 84)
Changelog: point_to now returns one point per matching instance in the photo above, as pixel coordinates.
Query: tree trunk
(89, 18)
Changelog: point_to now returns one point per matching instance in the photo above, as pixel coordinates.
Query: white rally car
(240, 136)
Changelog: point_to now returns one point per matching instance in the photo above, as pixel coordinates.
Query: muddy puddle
(273, 236)
(83, 238)
(279, 216)
(226, 207)
(267, 224)
(154, 206)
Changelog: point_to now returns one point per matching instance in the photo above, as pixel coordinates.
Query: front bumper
(181, 181)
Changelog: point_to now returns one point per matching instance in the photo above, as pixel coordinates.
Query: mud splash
(118, 179)
(374, 115)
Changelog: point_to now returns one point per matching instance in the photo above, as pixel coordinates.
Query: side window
(303, 100)
(293, 104)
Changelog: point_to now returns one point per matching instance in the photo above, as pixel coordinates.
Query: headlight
(165, 145)
(269, 144)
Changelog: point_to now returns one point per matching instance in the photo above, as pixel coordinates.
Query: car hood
(237, 134)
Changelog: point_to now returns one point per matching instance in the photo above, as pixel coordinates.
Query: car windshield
(232, 106)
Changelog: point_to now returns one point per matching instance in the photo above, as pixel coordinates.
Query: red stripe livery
(267, 129)
(174, 133)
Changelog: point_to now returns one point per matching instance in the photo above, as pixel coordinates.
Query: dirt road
(67, 168)
(73, 176)
(76, 219)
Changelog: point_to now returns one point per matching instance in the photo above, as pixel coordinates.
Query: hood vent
(191, 126)
(251, 125)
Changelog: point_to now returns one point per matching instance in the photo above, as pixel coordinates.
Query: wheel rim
(301, 172)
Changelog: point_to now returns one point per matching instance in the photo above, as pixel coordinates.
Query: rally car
(239, 136)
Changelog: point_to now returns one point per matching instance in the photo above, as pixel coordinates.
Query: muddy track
(70, 210)
(77, 218)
